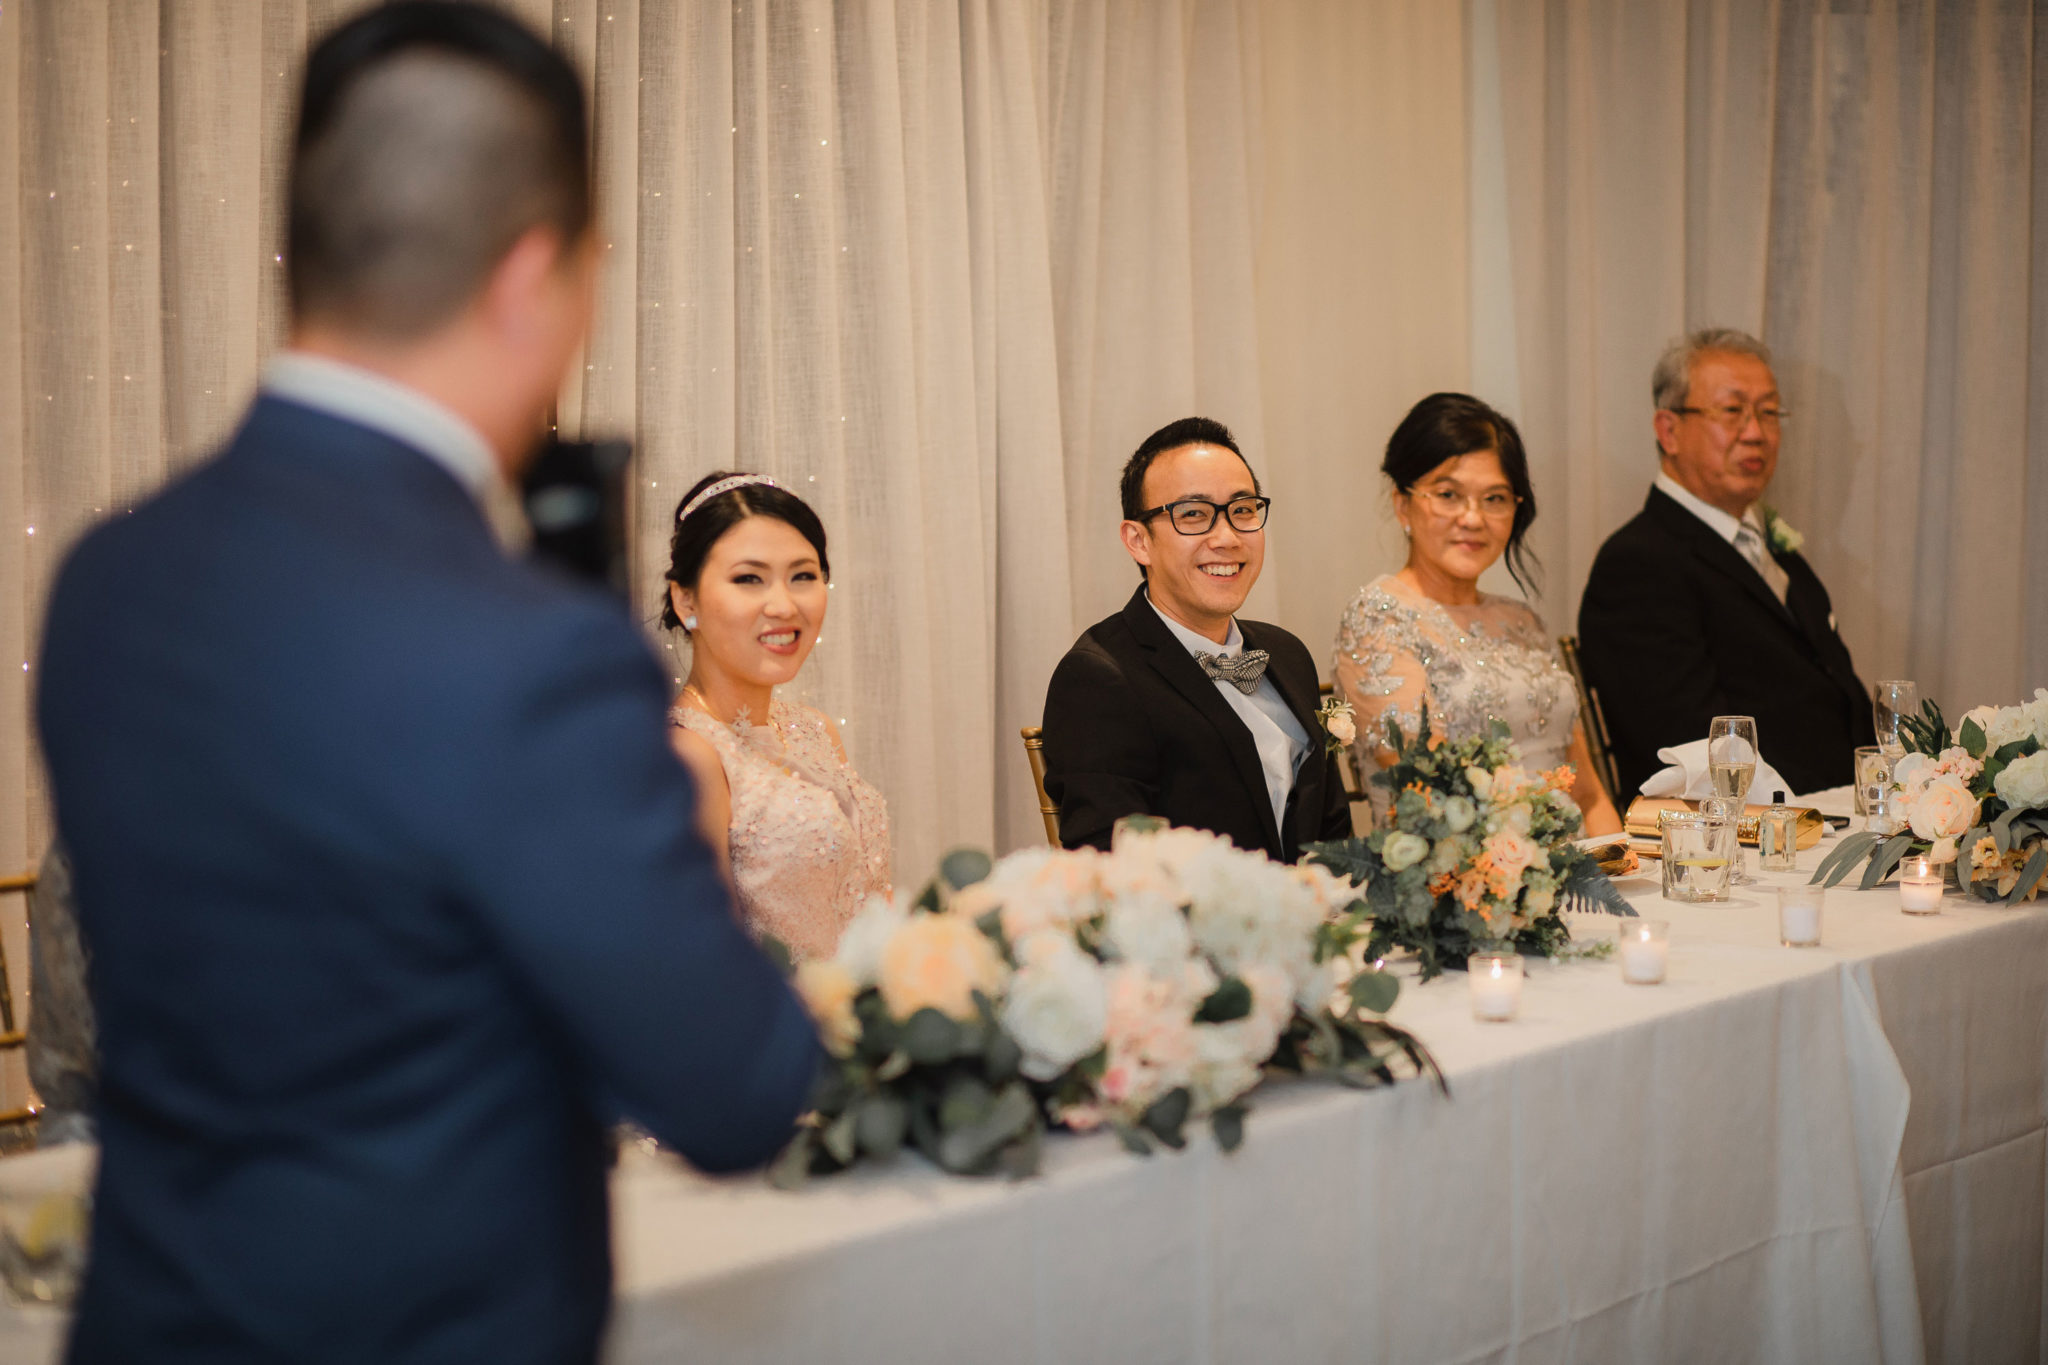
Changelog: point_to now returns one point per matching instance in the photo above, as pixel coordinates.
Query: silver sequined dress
(1490, 660)
(809, 838)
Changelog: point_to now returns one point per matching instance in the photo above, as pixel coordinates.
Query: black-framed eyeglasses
(1735, 416)
(1197, 516)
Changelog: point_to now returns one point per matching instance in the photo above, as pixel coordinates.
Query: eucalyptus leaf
(930, 1037)
(1374, 990)
(2029, 875)
(963, 867)
(882, 1120)
(967, 1101)
(1227, 1124)
(1168, 1115)
(1231, 999)
(2001, 831)
(1885, 859)
(970, 1148)
(1847, 850)
(1134, 1140)
(838, 1138)
(793, 1166)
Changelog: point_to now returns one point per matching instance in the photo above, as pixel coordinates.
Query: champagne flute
(1894, 703)
(1731, 766)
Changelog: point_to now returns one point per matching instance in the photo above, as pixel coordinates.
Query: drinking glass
(1696, 854)
(1895, 702)
(1870, 769)
(1731, 765)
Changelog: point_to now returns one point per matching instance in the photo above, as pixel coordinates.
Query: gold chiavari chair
(13, 1036)
(1599, 746)
(1034, 754)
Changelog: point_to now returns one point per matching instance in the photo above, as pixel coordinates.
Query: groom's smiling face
(1202, 580)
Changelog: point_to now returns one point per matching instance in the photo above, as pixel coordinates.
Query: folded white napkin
(1688, 777)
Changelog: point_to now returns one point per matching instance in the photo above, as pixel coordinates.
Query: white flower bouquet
(1982, 790)
(1139, 989)
(1476, 850)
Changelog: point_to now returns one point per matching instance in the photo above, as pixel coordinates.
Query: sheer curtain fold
(1859, 185)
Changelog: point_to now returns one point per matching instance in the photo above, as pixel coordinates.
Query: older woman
(1428, 634)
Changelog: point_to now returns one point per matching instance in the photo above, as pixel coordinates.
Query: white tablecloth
(1780, 1154)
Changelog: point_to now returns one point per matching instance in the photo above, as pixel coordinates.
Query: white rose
(860, 947)
(1944, 809)
(1459, 813)
(1341, 728)
(2037, 713)
(2024, 782)
(1403, 850)
(1147, 929)
(1225, 1066)
(2008, 723)
(1057, 1008)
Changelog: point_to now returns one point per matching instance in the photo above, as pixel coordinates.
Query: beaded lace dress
(810, 839)
(1491, 660)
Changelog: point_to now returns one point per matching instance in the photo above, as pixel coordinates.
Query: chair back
(13, 1037)
(1347, 760)
(1592, 720)
(1034, 754)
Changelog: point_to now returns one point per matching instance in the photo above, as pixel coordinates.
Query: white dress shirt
(406, 415)
(1276, 734)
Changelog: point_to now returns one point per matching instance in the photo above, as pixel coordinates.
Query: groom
(1173, 707)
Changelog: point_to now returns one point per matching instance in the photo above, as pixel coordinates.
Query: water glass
(1698, 852)
(1893, 703)
(1728, 810)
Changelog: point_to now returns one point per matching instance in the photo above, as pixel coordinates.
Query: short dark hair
(431, 135)
(1444, 426)
(707, 524)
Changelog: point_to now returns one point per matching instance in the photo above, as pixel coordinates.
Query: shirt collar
(1199, 644)
(1723, 525)
(390, 408)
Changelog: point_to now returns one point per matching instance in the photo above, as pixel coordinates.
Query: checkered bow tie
(1241, 670)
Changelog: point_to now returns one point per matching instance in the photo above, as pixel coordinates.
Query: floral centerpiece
(1139, 989)
(1475, 850)
(1976, 799)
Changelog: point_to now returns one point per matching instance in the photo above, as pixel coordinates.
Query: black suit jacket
(394, 898)
(1133, 726)
(1676, 627)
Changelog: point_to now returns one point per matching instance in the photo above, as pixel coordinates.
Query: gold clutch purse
(1645, 812)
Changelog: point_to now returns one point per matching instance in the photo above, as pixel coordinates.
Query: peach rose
(1511, 851)
(827, 990)
(938, 962)
(1943, 809)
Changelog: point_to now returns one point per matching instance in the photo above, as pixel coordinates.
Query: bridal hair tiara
(723, 486)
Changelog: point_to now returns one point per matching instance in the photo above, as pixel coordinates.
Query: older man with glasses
(1174, 707)
(1702, 605)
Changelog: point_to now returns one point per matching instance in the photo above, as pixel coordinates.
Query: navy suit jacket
(1676, 627)
(394, 897)
(1134, 726)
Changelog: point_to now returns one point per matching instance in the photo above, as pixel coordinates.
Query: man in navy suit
(388, 871)
(1702, 606)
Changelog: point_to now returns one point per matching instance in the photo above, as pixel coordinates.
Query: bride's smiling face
(1459, 516)
(759, 603)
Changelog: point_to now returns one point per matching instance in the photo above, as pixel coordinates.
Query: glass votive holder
(1697, 854)
(1871, 770)
(1799, 915)
(1643, 947)
(1496, 980)
(1920, 886)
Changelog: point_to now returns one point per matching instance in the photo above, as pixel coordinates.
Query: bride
(1427, 633)
(805, 839)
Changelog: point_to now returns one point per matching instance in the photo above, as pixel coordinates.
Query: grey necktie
(1241, 670)
(1751, 545)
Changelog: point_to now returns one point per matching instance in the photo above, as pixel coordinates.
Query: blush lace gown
(1397, 647)
(809, 838)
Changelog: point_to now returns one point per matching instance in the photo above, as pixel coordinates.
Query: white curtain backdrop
(1863, 184)
(942, 263)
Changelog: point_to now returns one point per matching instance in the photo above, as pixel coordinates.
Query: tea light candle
(1799, 915)
(1644, 947)
(1496, 985)
(1920, 886)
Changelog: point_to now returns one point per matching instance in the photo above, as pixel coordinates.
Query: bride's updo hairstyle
(708, 522)
(1444, 426)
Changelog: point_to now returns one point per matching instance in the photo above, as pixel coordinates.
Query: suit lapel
(1173, 663)
(1719, 555)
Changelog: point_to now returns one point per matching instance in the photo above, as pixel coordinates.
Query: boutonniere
(1339, 729)
(1784, 540)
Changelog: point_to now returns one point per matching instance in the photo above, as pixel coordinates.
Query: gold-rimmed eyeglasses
(1447, 503)
(1735, 416)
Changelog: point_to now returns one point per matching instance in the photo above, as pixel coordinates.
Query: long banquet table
(1837, 1153)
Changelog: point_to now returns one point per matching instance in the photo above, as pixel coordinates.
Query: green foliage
(1926, 733)
(1231, 999)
